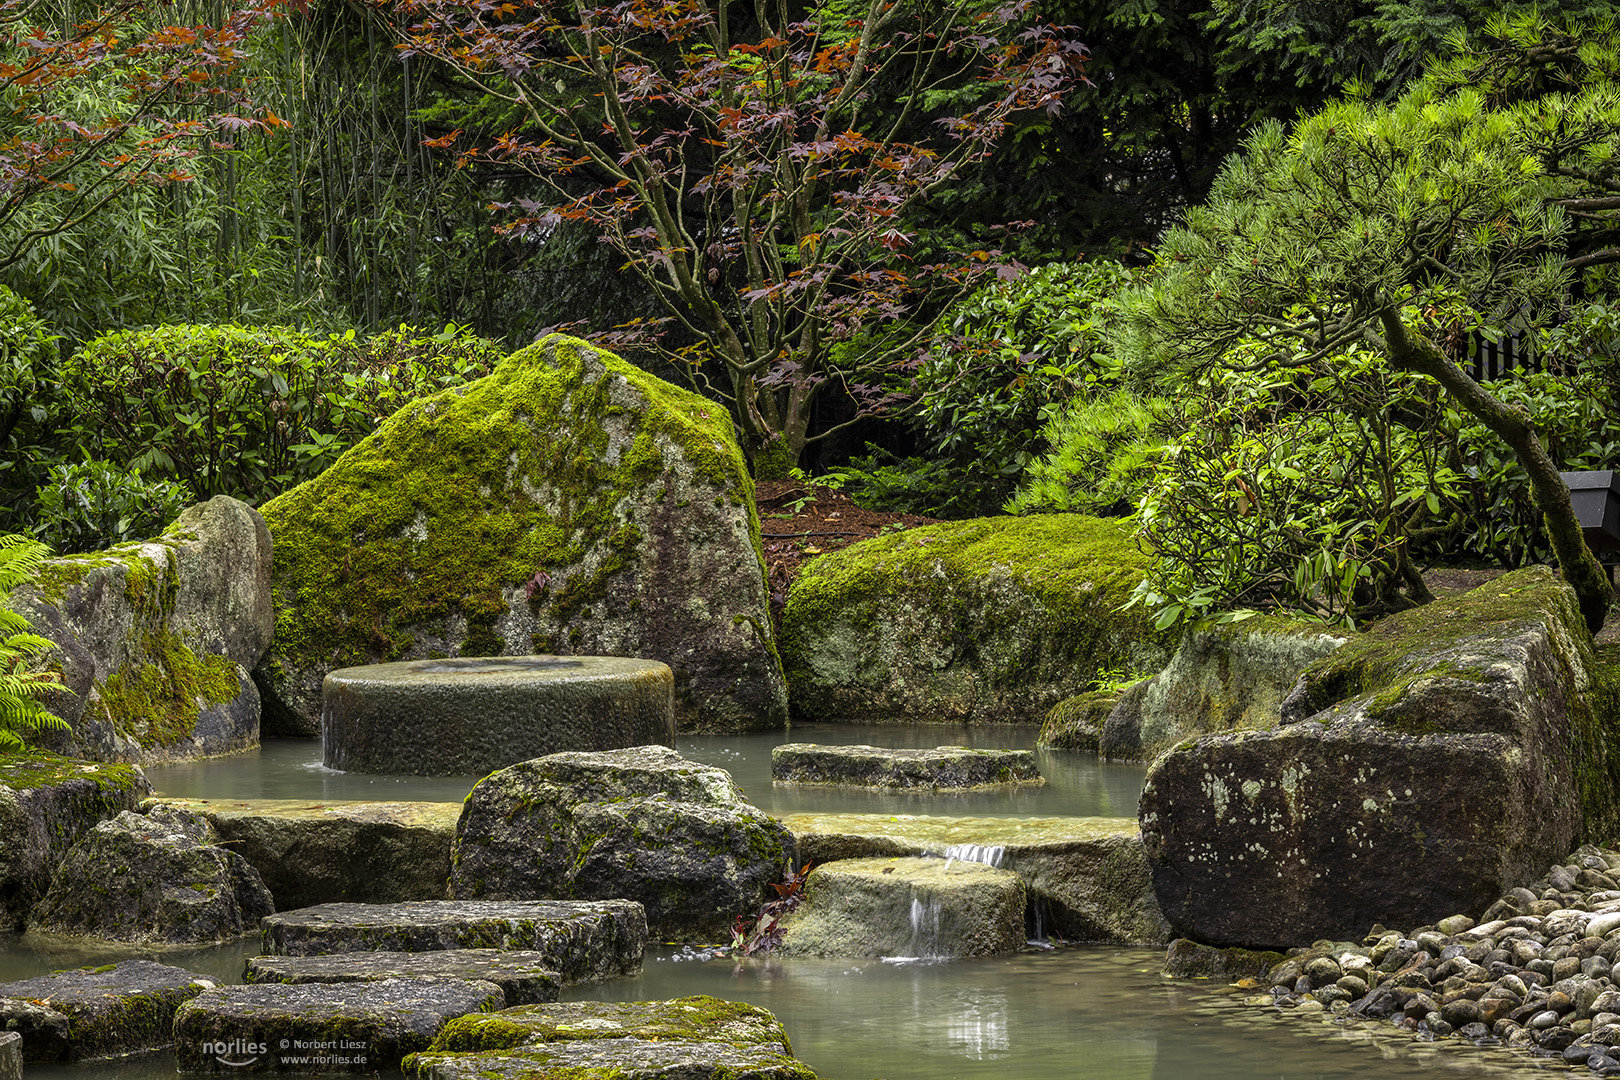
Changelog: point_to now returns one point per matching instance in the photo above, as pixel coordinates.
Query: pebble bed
(1533, 973)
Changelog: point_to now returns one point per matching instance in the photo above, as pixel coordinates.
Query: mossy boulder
(47, 803)
(568, 503)
(947, 768)
(1425, 768)
(98, 1012)
(993, 620)
(644, 823)
(325, 852)
(158, 878)
(1222, 678)
(1087, 877)
(156, 639)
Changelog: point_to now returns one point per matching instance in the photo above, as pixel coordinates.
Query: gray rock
(326, 852)
(319, 1028)
(567, 503)
(47, 803)
(11, 1056)
(97, 1012)
(1087, 877)
(1190, 960)
(906, 907)
(1220, 679)
(470, 716)
(1076, 723)
(525, 978)
(159, 878)
(643, 823)
(1451, 754)
(993, 620)
(954, 767)
(583, 941)
(695, 1038)
(157, 638)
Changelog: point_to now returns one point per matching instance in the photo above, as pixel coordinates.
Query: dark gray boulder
(11, 1056)
(317, 1028)
(525, 978)
(583, 941)
(97, 1012)
(694, 1038)
(157, 638)
(47, 803)
(1423, 769)
(643, 823)
(158, 878)
(567, 503)
(953, 767)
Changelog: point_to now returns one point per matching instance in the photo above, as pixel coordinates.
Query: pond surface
(1077, 1013)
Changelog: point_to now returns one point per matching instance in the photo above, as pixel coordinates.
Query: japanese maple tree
(754, 163)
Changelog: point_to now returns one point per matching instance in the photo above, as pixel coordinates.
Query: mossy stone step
(582, 940)
(944, 767)
(97, 1012)
(315, 1028)
(614, 1059)
(525, 978)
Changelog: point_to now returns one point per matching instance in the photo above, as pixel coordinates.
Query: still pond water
(1077, 1013)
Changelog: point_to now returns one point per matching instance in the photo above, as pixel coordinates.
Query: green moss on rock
(990, 620)
(158, 703)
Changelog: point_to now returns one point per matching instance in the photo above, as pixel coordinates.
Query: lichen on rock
(992, 620)
(567, 503)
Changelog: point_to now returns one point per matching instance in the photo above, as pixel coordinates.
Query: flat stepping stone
(473, 715)
(317, 852)
(98, 1012)
(319, 1027)
(1088, 877)
(11, 1056)
(906, 908)
(695, 1037)
(524, 977)
(942, 768)
(581, 940)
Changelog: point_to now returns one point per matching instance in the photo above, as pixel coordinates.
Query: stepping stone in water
(692, 1038)
(524, 977)
(582, 940)
(11, 1056)
(319, 1027)
(97, 1012)
(943, 768)
(906, 907)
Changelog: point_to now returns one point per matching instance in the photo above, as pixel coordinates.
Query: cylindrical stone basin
(472, 715)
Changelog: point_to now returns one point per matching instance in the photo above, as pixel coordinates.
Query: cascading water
(974, 853)
(925, 942)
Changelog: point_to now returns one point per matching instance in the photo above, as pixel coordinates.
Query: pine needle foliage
(22, 686)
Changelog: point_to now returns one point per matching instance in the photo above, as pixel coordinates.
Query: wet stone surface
(1533, 973)
(942, 768)
(97, 1012)
(525, 978)
(583, 941)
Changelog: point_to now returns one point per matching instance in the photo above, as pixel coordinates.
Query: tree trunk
(1413, 352)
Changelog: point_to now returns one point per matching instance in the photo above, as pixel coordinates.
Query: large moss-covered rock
(906, 907)
(159, 878)
(1087, 877)
(325, 852)
(567, 503)
(97, 1012)
(1222, 678)
(156, 639)
(693, 1038)
(1423, 769)
(987, 621)
(643, 823)
(47, 803)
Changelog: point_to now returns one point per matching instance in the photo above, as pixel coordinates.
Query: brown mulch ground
(799, 521)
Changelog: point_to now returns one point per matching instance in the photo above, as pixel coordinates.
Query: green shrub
(932, 487)
(30, 398)
(21, 684)
(251, 412)
(95, 504)
(1102, 454)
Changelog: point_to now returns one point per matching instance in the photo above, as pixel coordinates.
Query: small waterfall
(924, 927)
(989, 856)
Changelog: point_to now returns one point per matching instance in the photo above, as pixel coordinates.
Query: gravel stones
(643, 823)
(525, 978)
(97, 1012)
(945, 767)
(159, 878)
(583, 941)
(356, 1027)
